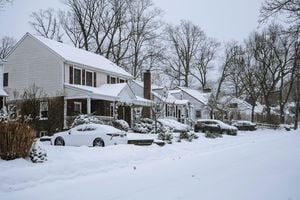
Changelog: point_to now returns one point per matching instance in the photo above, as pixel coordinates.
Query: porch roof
(110, 92)
(3, 93)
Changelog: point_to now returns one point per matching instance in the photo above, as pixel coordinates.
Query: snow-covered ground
(260, 165)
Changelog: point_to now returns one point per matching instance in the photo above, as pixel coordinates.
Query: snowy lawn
(260, 165)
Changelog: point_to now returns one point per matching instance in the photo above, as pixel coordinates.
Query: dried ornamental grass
(15, 140)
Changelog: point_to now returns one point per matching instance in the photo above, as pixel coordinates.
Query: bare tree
(247, 76)
(291, 8)
(84, 12)
(144, 24)
(6, 45)
(185, 40)
(232, 49)
(207, 53)
(3, 2)
(46, 24)
(71, 28)
(296, 84)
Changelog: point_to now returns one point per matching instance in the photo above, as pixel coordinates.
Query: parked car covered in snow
(245, 125)
(212, 125)
(90, 135)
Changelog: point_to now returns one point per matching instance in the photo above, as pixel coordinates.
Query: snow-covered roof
(3, 93)
(243, 105)
(153, 86)
(83, 57)
(111, 92)
(200, 96)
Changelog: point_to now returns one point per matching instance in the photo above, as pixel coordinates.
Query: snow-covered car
(245, 125)
(213, 125)
(90, 135)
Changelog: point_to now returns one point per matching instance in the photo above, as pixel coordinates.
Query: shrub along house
(74, 81)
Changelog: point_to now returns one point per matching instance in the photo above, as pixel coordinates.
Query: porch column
(65, 114)
(88, 104)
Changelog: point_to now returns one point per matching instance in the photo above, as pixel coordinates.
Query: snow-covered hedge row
(86, 119)
(90, 119)
(143, 125)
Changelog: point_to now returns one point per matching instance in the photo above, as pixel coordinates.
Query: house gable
(30, 63)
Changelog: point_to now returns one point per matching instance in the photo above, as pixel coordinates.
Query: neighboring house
(82, 81)
(239, 109)
(184, 104)
(171, 106)
(198, 100)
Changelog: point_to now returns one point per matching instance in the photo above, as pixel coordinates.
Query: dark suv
(215, 126)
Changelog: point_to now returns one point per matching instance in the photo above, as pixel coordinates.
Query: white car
(90, 135)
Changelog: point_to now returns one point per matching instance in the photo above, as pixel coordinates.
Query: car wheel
(98, 142)
(59, 141)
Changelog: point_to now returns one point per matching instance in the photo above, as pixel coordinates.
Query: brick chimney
(147, 92)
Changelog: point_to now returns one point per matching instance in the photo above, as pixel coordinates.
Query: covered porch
(108, 102)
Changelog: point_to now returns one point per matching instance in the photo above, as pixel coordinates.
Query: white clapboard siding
(33, 63)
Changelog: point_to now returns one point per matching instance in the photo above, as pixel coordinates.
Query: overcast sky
(221, 19)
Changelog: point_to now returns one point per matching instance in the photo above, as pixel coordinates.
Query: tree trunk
(252, 112)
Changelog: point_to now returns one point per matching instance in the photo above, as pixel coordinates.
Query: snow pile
(235, 166)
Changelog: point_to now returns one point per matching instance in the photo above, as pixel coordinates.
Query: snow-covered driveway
(257, 165)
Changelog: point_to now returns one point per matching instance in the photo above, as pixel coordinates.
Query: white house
(184, 104)
(239, 109)
(85, 81)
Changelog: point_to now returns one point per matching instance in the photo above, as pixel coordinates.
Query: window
(122, 81)
(5, 79)
(77, 107)
(89, 78)
(198, 113)
(43, 133)
(113, 80)
(77, 76)
(43, 110)
(233, 105)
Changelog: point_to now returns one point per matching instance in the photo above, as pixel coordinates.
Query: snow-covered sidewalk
(253, 165)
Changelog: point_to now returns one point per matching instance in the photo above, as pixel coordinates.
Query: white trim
(47, 106)
(86, 78)
(80, 69)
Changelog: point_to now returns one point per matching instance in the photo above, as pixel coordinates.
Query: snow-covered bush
(86, 119)
(213, 135)
(37, 154)
(15, 140)
(165, 136)
(145, 125)
(120, 124)
(174, 125)
(189, 136)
